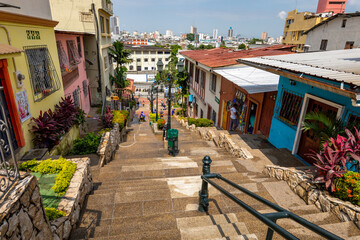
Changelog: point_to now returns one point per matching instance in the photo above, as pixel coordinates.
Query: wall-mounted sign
(23, 105)
(190, 98)
(32, 35)
(217, 100)
(115, 98)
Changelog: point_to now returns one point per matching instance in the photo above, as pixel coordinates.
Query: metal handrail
(268, 218)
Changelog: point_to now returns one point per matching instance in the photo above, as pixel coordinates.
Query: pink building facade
(73, 69)
(335, 6)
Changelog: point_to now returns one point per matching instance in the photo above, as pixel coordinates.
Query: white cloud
(282, 15)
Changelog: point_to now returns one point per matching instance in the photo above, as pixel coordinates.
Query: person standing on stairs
(233, 117)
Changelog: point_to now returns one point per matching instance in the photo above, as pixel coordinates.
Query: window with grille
(213, 116)
(76, 98)
(213, 83)
(78, 42)
(106, 62)
(63, 59)
(323, 44)
(85, 88)
(42, 72)
(73, 52)
(197, 73)
(289, 111)
(202, 83)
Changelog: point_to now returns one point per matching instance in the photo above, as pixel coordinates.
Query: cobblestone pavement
(144, 193)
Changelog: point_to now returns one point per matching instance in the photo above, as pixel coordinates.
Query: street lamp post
(157, 102)
(151, 98)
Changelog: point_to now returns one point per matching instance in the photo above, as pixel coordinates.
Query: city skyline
(248, 21)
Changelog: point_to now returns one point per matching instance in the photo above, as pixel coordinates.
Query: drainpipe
(19, 77)
(98, 51)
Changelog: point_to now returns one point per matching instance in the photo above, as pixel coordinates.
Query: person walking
(233, 117)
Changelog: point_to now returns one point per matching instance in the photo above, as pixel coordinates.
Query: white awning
(251, 79)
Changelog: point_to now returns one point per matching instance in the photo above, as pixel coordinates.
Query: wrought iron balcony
(107, 6)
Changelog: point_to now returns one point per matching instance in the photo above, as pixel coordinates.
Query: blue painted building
(321, 81)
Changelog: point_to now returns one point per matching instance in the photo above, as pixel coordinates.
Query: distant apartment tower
(215, 34)
(264, 35)
(169, 34)
(193, 30)
(336, 6)
(230, 32)
(114, 25)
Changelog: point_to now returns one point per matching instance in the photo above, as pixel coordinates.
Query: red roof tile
(221, 57)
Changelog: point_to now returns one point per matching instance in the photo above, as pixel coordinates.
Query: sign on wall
(23, 105)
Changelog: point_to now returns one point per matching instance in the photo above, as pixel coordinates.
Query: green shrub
(64, 168)
(100, 133)
(119, 117)
(132, 104)
(152, 117)
(52, 213)
(160, 123)
(200, 122)
(29, 165)
(348, 187)
(86, 145)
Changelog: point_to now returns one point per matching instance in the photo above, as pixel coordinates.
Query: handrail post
(204, 193)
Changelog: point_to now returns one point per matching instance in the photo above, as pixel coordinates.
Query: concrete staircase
(146, 194)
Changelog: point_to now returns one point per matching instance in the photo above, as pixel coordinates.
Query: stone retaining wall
(155, 129)
(301, 183)
(66, 143)
(72, 201)
(221, 138)
(108, 144)
(22, 210)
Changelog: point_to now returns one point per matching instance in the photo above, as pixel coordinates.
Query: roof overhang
(6, 49)
(26, 20)
(309, 80)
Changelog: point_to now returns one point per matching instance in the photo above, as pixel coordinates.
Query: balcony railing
(268, 219)
(107, 6)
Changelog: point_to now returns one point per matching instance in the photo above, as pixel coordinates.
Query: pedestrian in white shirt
(233, 117)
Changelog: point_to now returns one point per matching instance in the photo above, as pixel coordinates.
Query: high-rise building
(336, 6)
(193, 30)
(215, 34)
(264, 36)
(114, 25)
(169, 34)
(230, 32)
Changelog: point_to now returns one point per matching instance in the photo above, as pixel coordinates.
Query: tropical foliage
(86, 145)
(200, 122)
(52, 213)
(337, 155)
(348, 187)
(51, 125)
(121, 57)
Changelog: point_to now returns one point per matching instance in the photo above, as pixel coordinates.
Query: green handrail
(268, 218)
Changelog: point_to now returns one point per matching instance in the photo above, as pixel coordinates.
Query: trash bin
(173, 142)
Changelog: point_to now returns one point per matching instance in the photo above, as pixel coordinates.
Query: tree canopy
(190, 37)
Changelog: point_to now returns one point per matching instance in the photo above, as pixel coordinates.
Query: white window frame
(304, 107)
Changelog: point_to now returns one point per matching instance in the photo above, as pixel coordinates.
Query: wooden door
(209, 110)
(267, 112)
(224, 116)
(308, 141)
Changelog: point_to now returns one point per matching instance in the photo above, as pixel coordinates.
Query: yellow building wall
(19, 39)
(292, 32)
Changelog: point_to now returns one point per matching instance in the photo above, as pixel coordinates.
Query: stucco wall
(281, 134)
(34, 8)
(77, 83)
(210, 95)
(336, 35)
(19, 39)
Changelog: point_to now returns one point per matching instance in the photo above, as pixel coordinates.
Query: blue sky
(248, 18)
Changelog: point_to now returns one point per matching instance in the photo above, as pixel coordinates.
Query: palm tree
(324, 126)
(121, 57)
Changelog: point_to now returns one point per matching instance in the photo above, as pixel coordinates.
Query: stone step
(214, 231)
(344, 230)
(150, 235)
(201, 221)
(316, 218)
(239, 237)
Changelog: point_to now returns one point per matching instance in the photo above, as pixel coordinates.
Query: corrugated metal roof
(221, 57)
(251, 79)
(338, 65)
(7, 49)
